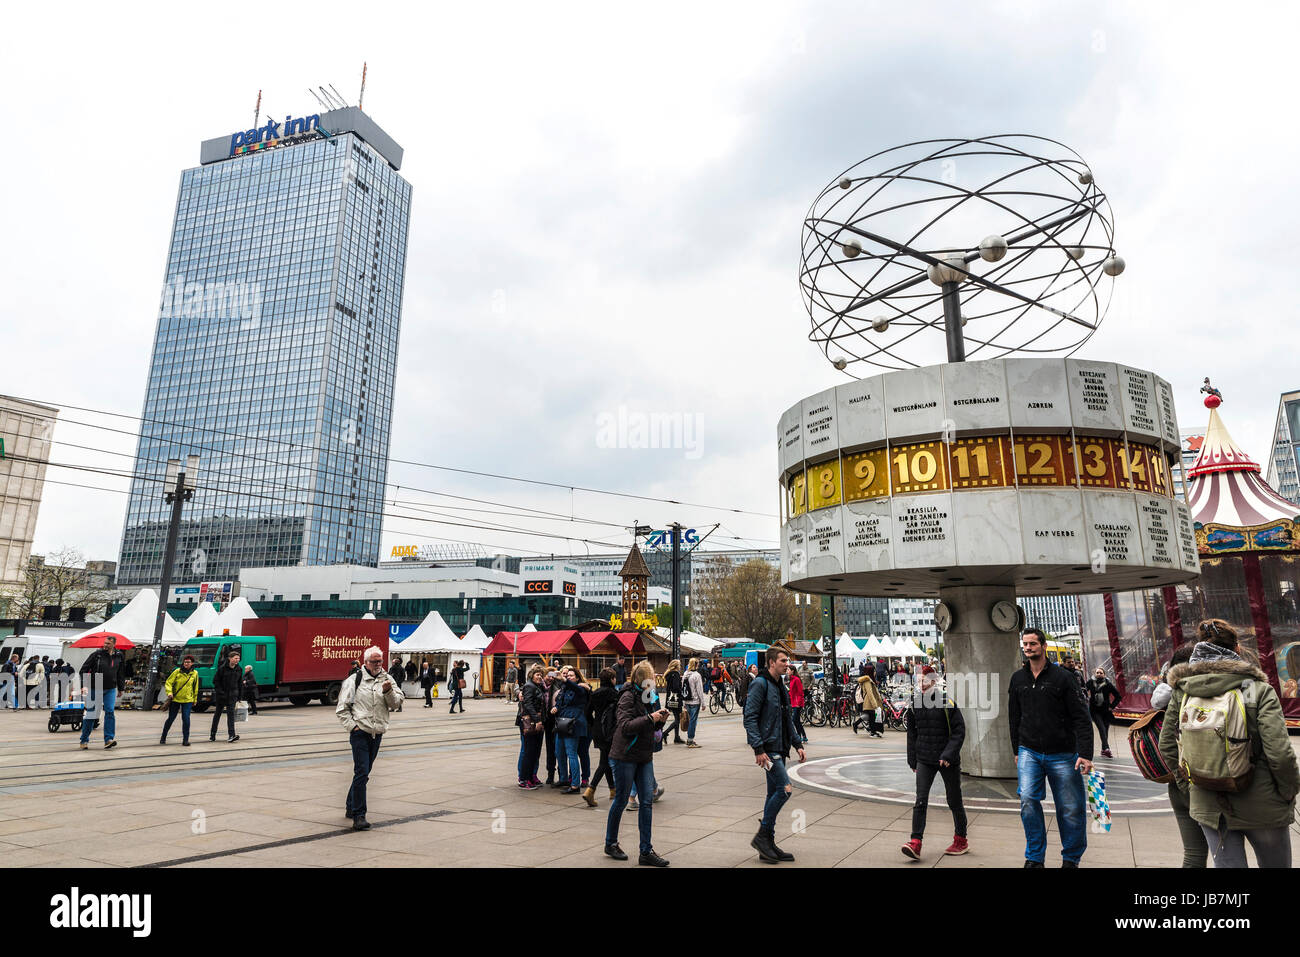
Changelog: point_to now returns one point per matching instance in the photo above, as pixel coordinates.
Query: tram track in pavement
(26, 764)
(29, 766)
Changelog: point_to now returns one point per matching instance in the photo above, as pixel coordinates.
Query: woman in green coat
(1263, 812)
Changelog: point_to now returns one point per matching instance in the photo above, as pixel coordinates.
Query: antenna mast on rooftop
(362, 95)
(257, 110)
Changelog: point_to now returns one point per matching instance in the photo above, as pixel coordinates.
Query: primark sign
(247, 141)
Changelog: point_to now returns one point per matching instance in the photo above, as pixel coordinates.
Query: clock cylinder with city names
(1049, 475)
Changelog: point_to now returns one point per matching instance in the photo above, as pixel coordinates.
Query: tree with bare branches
(58, 580)
(749, 602)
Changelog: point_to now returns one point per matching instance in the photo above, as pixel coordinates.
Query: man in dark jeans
(1052, 740)
(453, 684)
(227, 686)
(935, 732)
(770, 731)
(366, 703)
(103, 676)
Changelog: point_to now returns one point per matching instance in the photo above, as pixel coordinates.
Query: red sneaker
(958, 846)
(912, 849)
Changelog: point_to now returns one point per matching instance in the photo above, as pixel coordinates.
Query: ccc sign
(546, 587)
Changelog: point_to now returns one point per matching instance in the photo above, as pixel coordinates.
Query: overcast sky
(607, 209)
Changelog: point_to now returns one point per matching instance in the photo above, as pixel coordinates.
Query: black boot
(781, 855)
(763, 843)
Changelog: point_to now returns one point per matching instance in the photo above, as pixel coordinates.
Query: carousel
(1248, 539)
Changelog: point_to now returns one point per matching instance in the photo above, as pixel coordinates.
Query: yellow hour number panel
(918, 467)
(824, 484)
(1098, 463)
(1043, 460)
(866, 475)
(979, 462)
(798, 492)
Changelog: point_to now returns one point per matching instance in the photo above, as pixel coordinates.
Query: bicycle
(721, 699)
(814, 709)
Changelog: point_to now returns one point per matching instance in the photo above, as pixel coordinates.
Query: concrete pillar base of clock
(980, 661)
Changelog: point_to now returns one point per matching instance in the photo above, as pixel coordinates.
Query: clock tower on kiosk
(636, 586)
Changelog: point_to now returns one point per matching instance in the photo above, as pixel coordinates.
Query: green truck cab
(211, 650)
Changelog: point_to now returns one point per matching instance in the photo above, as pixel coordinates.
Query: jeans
(570, 768)
(627, 773)
(1272, 846)
(778, 792)
(1101, 721)
(364, 751)
(219, 705)
(1195, 847)
(692, 715)
(798, 721)
(97, 707)
(184, 710)
(530, 752)
(584, 756)
(1032, 768)
(603, 768)
(952, 788)
(549, 735)
(457, 698)
(675, 720)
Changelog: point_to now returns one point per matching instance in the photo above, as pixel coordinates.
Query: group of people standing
(34, 683)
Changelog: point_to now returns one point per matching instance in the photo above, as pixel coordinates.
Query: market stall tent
(135, 621)
(233, 618)
(201, 619)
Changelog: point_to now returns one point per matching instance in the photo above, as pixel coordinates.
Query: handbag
(565, 726)
(529, 725)
(684, 722)
(674, 701)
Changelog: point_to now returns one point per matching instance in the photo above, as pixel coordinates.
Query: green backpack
(1214, 740)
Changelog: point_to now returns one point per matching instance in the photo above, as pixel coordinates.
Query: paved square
(443, 794)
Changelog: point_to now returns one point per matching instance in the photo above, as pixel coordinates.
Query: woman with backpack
(1246, 790)
(632, 759)
(692, 698)
(673, 686)
(1195, 850)
(600, 721)
(1102, 698)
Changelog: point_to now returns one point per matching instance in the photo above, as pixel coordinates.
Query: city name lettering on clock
(271, 131)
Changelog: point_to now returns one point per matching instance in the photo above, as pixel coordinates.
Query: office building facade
(1056, 614)
(1284, 463)
(26, 429)
(275, 353)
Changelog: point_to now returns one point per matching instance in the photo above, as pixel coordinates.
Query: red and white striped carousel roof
(1225, 487)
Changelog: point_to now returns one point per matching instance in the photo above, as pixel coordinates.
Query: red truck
(294, 658)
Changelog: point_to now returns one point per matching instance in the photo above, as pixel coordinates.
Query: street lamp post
(178, 489)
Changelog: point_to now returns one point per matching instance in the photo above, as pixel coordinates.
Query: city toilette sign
(268, 135)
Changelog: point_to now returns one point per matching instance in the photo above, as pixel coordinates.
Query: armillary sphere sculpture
(899, 247)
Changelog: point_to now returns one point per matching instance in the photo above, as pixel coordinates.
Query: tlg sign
(272, 132)
(662, 538)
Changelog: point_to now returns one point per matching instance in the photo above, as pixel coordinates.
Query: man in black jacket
(770, 731)
(103, 678)
(227, 685)
(935, 733)
(1052, 739)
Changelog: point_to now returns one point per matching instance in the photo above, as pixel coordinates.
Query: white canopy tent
(135, 621)
(476, 638)
(528, 627)
(433, 637)
(908, 649)
(232, 618)
(696, 643)
(201, 619)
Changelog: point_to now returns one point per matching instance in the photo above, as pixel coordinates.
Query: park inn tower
(276, 351)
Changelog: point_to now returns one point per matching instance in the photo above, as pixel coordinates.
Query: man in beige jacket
(366, 701)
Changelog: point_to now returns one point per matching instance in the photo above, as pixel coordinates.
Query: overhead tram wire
(427, 465)
(382, 514)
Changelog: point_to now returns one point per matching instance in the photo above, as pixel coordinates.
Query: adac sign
(268, 134)
(406, 551)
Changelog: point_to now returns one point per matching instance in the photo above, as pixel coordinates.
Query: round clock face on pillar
(1005, 616)
(943, 616)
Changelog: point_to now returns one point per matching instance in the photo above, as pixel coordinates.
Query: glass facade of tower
(274, 361)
